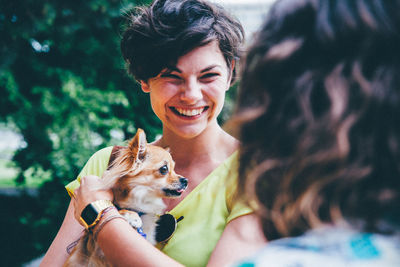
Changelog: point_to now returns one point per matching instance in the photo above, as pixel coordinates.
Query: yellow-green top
(206, 210)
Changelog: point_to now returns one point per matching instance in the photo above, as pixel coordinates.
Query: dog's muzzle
(183, 182)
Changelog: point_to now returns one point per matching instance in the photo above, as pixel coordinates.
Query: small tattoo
(72, 245)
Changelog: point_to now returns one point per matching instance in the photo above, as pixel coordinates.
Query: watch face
(89, 214)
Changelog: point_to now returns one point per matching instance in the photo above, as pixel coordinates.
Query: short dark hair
(319, 109)
(158, 35)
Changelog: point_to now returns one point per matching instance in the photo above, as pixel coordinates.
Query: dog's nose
(183, 181)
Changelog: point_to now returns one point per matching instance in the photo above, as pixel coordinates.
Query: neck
(195, 158)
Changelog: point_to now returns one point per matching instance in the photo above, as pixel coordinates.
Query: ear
(231, 73)
(232, 65)
(145, 86)
(138, 145)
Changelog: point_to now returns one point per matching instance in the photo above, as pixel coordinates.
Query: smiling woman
(188, 97)
(184, 55)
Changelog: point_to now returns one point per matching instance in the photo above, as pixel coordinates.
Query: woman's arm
(241, 238)
(70, 231)
(121, 244)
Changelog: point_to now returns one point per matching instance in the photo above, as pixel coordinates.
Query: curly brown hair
(157, 35)
(319, 116)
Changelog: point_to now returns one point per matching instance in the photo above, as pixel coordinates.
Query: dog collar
(166, 225)
(140, 213)
(140, 231)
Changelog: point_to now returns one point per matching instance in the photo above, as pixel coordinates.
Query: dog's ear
(138, 145)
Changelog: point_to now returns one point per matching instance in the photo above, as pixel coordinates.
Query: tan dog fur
(138, 180)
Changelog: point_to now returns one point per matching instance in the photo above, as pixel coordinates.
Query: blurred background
(64, 95)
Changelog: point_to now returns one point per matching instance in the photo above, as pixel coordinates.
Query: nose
(191, 91)
(183, 181)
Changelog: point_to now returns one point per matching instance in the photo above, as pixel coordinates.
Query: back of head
(319, 108)
(168, 29)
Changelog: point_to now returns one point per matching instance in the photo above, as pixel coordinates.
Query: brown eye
(209, 75)
(169, 75)
(163, 170)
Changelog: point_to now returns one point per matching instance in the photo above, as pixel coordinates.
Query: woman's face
(188, 97)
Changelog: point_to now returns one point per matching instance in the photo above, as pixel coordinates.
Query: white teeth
(190, 112)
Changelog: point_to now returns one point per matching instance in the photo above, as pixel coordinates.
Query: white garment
(330, 247)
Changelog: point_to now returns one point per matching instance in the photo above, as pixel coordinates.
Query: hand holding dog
(137, 179)
(88, 192)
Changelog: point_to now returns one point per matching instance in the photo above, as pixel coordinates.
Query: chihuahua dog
(139, 176)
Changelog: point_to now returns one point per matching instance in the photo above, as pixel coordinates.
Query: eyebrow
(171, 69)
(209, 68)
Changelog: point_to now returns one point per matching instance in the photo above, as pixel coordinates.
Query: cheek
(160, 183)
(162, 95)
(217, 92)
(141, 179)
(158, 105)
(222, 85)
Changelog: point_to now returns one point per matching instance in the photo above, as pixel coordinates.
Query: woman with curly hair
(319, 111)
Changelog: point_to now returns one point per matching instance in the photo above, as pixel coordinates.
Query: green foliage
(64, 87)
(64, 82)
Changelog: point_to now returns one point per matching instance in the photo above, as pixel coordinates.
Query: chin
(189, 132)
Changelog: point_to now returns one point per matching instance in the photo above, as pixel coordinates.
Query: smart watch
(91, 214)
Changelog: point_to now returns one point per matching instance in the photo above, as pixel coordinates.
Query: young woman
(319, 109)
(184, 55)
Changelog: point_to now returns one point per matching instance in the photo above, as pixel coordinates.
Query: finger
(76, 192)
(90, 178)
(91, 181)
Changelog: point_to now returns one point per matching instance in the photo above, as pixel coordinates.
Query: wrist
(92, 213)
(106, 217)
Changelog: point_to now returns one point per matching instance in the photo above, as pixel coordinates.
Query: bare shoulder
(230, 143)
(242, 237)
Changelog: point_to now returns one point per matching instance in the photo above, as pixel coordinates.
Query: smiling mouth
(188, 112)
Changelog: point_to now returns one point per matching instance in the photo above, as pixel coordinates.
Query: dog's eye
(164, 170)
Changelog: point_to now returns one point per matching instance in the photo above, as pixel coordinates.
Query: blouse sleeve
(235, 206)
(96, 165)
